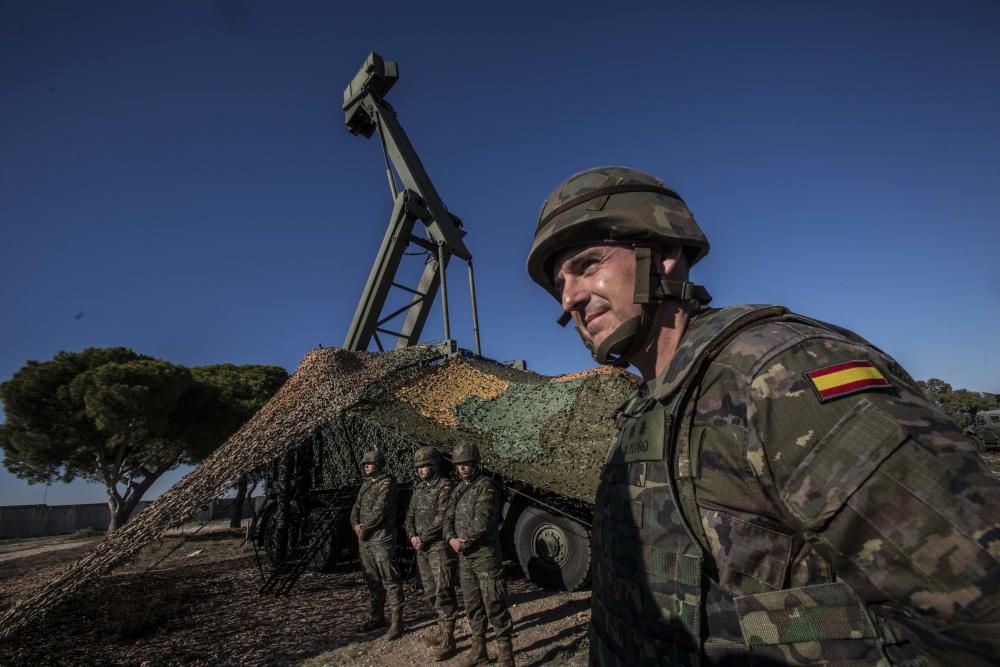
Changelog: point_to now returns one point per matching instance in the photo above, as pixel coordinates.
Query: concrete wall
(41, 520)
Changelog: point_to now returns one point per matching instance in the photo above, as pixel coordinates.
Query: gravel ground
(192, 599)
(992, 459)
(43, 548)
(200, 606)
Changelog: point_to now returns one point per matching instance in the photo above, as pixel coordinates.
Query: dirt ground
(992, 459)
(193, 599)
(200, 606)
(12, 549)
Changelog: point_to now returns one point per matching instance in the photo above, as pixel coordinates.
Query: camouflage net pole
(328, 381)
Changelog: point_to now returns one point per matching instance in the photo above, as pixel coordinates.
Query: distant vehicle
(986, 429)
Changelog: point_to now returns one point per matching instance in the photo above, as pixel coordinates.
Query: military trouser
(437, 574)
(485, 592)
(381, 575)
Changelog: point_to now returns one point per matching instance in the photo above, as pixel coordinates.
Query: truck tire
(554, 551)
(327, 555)
(266, 532)
(340, 545)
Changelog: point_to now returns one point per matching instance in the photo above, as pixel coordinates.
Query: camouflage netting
(550, 433)
(326, 383)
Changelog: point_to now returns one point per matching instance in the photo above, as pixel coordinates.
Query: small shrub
(86, 533)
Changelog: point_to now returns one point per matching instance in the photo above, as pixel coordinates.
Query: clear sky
(176, 177)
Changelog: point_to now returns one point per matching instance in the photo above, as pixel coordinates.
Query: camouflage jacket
(426, 514)
(375, 508)
(474, 515)
(825, 501)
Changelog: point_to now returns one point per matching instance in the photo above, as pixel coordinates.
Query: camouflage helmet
(611, 204)
(624, 206)
(373, 456)
(465, 453)
(426, 456)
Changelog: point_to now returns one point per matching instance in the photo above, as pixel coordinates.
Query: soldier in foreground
(425, 527)
(471, 529)
(373, 518)
(780, 491)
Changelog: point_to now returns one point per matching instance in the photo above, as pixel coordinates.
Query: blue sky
(180, 173)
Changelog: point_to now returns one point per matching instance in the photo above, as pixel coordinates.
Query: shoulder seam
(797, 339)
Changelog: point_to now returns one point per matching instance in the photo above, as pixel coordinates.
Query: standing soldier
(425, 528)
(781, 491)
(471, 529)
(373, 518)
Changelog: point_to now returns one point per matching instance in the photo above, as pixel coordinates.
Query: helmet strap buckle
(644, 273)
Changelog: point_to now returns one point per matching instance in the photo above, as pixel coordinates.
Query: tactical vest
(425, 505)
(654, 601)
(467, 496)
(367, 497)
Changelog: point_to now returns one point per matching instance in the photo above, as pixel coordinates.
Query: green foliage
(959, 404)
(51, 432)
(224, 397)
(85, 534)
(123, 419)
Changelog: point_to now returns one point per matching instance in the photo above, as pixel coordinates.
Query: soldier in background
(424, 525)
(780, 491)
(373, 518)
(472, 531)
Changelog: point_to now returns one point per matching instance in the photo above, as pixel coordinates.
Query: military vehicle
(986, 429)
(543, 439)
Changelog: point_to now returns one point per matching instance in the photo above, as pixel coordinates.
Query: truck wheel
(336, 548)
(266, 534)
(553, 551)
(325, 556)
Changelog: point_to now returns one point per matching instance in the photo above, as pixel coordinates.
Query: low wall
(41, 520)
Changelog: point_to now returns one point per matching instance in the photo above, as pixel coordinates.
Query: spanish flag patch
(846, 378)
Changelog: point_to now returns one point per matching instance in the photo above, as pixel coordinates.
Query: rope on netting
(186, 537)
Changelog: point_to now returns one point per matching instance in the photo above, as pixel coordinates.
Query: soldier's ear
(673, 262)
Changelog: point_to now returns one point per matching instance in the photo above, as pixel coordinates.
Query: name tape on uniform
(642, 439)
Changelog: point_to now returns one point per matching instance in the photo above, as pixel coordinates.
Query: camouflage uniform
(783, 493)
(474, 515)
(425, 519)
(375, 509)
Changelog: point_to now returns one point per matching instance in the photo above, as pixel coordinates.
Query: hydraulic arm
(367, 113)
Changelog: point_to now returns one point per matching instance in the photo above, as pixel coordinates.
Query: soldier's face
(597, 287)
(464, 470)
(424, 472)
(368, 469)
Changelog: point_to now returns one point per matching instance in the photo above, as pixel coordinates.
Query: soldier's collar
(667, 382)
(706, 330)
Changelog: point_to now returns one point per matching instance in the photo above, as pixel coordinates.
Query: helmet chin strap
(624, 341)
(651, 288)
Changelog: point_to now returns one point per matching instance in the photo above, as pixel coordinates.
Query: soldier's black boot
(395, 630)
(376, 620)
(434, 638)
(505, 652)
(477, 654)
(446, 648)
